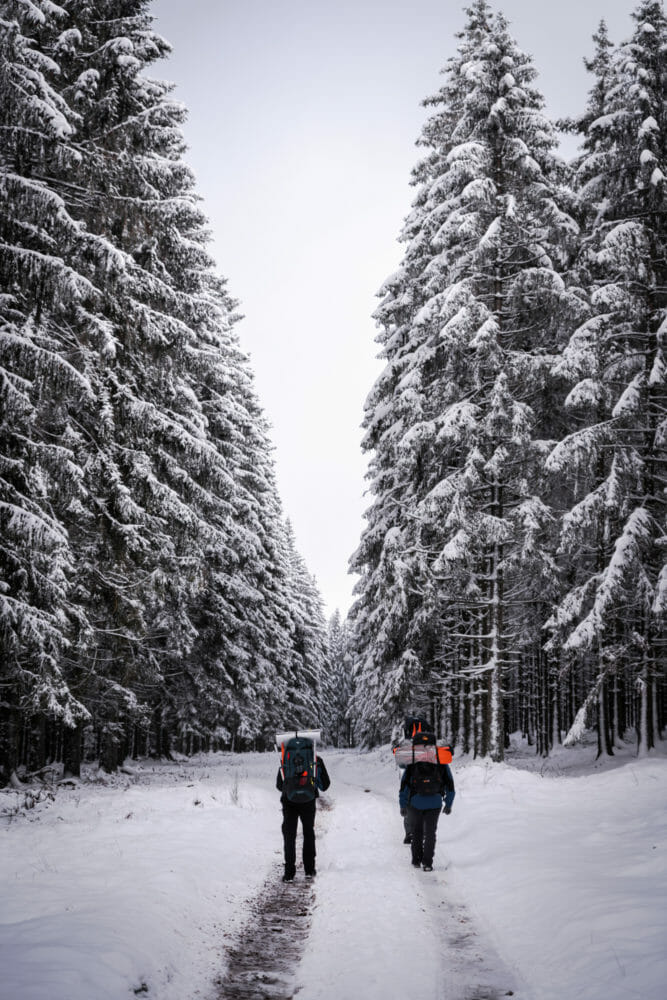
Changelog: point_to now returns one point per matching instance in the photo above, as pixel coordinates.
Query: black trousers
(292, 813)
(423, 823)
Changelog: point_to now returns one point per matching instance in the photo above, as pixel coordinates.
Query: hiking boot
(288, 878)
(428, 868)
(310, 875)
(416, 864)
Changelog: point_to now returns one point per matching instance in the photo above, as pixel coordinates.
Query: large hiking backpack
(298, 766)
(425, 776)
(425, 779)
(421, 746)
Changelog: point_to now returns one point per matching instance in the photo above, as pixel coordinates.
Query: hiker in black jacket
(304, 811)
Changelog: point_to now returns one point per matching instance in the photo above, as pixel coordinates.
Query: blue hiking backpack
(299, 767)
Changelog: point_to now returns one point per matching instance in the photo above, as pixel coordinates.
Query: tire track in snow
(470, 967)
(261, 963)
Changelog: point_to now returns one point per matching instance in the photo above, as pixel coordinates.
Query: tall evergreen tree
(309, 661)
(154, 471)
(458, 419)
(610, 622)
(338, 685)
(49, 313)
(146, 571)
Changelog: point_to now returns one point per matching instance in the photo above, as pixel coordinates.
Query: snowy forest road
(161, 882)
(372, 925)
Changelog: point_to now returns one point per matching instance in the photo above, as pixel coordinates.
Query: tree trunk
(604, 741)
(643, 737)
(109, 752)
(72, 746)
(556, 722)
(8, 741)
(657, 735)
(496, 741)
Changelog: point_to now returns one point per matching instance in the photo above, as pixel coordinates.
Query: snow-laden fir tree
(242, 613)
(609, 626)
(169, 584)
(337, 686)
(309, 661)
(198, 448)
(455, 562)
(49, 317)
(139, 548)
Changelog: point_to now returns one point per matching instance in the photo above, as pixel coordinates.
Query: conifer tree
(152, 467)
(459, 417)
(194, 447)
(48, 314)
(146, 577)
(337, 689)
(308, 662)
(610, 622)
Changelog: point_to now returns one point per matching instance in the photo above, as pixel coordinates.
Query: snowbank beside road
(112, 889)
(569, 875)
(138, 887)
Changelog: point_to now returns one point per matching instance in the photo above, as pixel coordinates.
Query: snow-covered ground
(550, 882)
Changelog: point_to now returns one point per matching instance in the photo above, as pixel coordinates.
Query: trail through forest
(369, 918)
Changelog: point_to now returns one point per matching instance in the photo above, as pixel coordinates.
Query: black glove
(447, 810)
(404, 812)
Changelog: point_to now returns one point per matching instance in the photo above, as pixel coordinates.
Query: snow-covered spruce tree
(139, 553)
(609, 627)
(337, 687)
(49, 329)
(178, 521)
(192, 451)
(308, 661)
(389, 653)
(457, 550)
(242, 613)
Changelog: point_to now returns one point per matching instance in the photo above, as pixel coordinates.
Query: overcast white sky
(303, 116)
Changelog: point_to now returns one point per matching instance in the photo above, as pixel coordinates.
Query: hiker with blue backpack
(425, 784)
(412, 725)
(301, 777)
